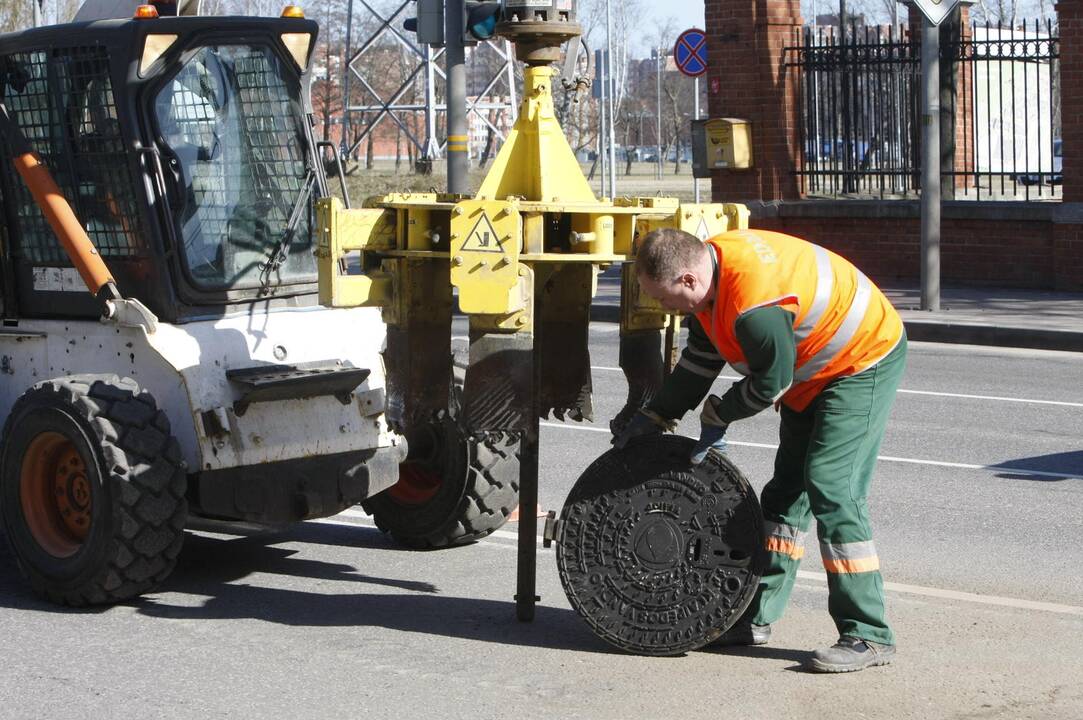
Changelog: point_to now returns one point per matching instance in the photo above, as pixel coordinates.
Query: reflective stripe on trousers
(784, 539)
(854, 557)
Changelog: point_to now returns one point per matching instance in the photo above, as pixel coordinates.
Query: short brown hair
(666, 253)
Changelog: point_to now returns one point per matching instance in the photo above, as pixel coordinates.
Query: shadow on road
(762, 652)
(212, 567)
(212, 571)
(1068, 463)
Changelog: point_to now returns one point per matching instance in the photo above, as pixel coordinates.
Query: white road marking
(885, 458)
(966, 396)
(997, 600)
(964, 596)
(993, 397)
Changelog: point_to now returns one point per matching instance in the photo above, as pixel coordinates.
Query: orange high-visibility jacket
(843, 324)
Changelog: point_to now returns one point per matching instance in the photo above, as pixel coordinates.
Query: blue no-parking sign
(690, 52)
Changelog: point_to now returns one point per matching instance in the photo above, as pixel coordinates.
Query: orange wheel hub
(55, 494)
(417, 484)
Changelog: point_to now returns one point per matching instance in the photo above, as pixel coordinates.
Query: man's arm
(767, 340)
(692, 378)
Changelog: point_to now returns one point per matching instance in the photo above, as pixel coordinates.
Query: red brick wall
(747, 79)
(1017, 253)
(1068, 256)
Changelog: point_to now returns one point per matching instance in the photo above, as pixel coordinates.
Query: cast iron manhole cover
(660, 557)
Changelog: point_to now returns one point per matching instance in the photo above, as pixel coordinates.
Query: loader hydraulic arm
(69, 231)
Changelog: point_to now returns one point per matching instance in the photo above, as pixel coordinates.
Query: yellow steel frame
(534, 207)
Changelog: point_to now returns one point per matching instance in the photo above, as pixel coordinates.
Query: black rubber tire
(479, 491)
(136, 484)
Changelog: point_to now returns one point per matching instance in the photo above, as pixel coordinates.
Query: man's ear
(689, 280)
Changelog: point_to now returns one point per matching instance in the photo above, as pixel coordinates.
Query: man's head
(675, 269)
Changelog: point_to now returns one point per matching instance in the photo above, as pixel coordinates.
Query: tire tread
(141, 462)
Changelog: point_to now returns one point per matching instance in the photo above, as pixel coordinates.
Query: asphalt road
(977, 515)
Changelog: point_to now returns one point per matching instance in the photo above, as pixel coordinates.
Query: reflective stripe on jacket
(843, 324)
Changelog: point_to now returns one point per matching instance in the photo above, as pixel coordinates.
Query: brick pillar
(914, 19)
(1070, 16)
(964, 106)
(747, 79)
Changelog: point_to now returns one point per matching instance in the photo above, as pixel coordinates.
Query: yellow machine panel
(486, 240)
(347, 247)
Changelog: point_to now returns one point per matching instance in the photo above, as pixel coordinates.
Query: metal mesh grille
(63, 102)
(228, 117)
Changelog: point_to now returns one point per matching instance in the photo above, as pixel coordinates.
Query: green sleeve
(693, 376)
(767, 340)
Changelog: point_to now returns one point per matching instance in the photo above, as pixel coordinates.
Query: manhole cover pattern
(660, 557)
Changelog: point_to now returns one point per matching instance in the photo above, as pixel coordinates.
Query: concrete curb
(996, 335)
(946, 332)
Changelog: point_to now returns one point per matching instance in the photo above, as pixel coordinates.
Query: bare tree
(878, 12)
(1008, 12)
(16, 16)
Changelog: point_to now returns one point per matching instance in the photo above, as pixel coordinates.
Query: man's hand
(712, 431)
(644, 422)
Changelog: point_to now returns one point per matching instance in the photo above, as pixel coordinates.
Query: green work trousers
(823, 468)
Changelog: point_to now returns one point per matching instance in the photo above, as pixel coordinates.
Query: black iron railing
(860, 112)
(858, 98)
(1008, 107)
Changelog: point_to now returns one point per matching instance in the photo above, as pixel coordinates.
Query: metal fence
(860, 113)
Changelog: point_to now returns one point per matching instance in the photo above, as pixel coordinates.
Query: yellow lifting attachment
(523, 258)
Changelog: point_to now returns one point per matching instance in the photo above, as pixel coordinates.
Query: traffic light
(429, 23)
(479, 20)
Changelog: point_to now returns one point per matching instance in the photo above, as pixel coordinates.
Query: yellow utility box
(721, 144)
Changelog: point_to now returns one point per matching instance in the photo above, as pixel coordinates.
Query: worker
(817, 340)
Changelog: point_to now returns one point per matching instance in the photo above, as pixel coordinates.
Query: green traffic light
(481, 19)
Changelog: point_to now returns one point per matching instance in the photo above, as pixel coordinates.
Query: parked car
(1056, 177)
(1058, 163)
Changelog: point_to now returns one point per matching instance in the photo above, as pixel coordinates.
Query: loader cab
(184, 145)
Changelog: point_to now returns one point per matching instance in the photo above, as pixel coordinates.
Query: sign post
(690, 54)
(935, 11)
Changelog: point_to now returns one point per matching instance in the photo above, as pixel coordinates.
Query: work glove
(712, 431)
(644, 422)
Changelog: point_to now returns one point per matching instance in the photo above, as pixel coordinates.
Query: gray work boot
(850, 654)
(744, 633)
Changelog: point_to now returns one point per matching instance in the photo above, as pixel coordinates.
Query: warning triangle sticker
(703, 232)
(483, 237)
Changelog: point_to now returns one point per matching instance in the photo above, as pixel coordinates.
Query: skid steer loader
(168, 166)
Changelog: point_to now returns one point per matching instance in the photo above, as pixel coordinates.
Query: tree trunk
(676, 149)
(488, 148)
